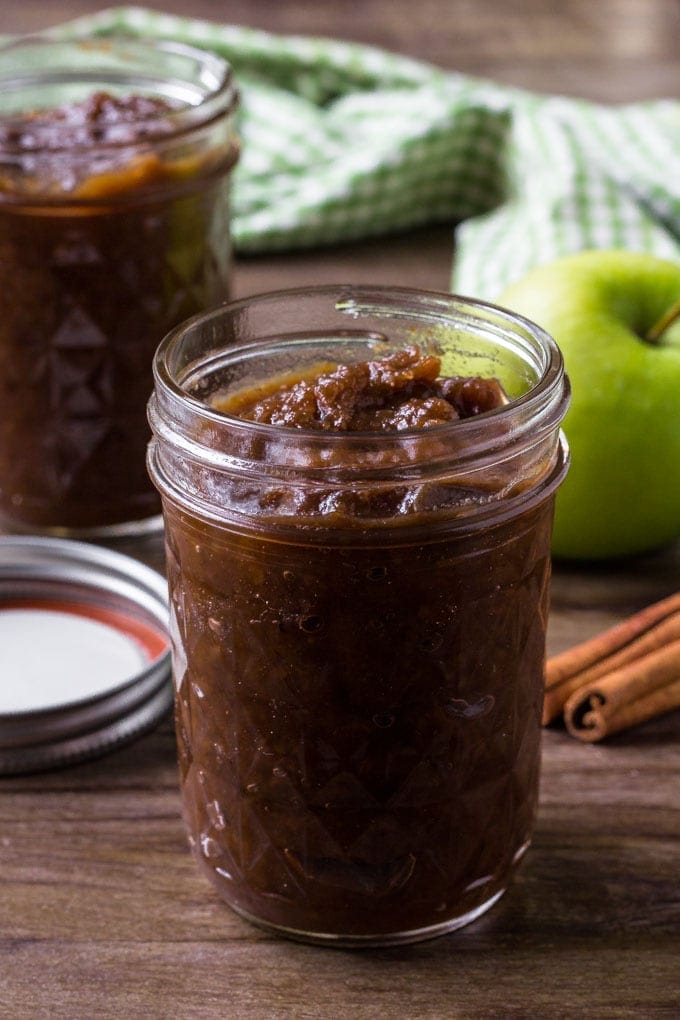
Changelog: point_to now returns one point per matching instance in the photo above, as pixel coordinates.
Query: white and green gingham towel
(344, 141)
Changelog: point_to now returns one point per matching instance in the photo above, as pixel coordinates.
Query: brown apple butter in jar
(114, 227)
(358, 490)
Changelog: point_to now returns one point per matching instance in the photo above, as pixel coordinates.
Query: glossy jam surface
(404, 390)
(358, 706)
(106, 243)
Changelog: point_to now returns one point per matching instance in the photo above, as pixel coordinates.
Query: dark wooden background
(102, 912)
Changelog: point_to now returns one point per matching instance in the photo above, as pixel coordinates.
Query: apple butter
(358, 561)
(402, 391)
(113, 228)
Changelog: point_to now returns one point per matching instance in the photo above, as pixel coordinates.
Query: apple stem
(654, 335)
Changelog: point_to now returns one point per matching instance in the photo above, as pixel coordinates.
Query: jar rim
(220, 95)
(349, 296)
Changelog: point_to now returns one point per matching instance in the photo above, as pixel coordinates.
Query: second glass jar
(115, 158)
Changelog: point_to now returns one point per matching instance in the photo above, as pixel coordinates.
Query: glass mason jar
(359, 618)
(114, 227)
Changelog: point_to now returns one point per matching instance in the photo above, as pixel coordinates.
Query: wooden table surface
(102, 911)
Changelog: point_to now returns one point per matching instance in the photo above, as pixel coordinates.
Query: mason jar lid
(84, 651)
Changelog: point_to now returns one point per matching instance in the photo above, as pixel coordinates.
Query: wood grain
(102, 912)
(612, 50)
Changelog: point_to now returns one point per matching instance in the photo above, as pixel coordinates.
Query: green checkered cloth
(343, 141)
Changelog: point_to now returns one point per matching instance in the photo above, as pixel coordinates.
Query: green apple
(613, 314)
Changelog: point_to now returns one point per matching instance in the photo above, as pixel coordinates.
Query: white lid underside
(49, 659)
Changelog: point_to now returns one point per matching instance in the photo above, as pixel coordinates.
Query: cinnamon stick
(640, 635)
(624, 697)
